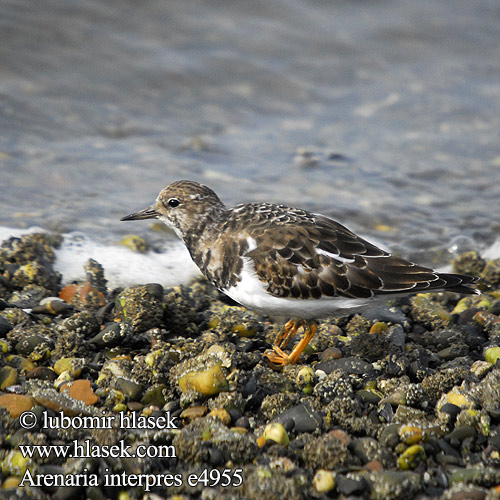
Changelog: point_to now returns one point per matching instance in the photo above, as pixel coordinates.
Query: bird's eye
(173, 202)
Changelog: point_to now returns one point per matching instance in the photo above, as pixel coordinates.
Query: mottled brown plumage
(306, 264)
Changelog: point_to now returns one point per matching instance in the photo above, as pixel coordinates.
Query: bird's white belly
(251, 292)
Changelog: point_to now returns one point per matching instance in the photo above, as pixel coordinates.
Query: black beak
(147, 213)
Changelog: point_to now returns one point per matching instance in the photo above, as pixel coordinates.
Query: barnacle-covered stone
(442, 381)
(135, 243)
(469, 263)
(490, 275)
(95, 275)
(458, 396)
(140, 308)
(73, 365)
(428, 312)
(488, 391)
(334, 385)
(32, 247)
(411, 434)
(274, 404)
(35, 347)
(29, 297)
(83, 323)
(478, 419)
(325, 452)
(113, 334)
(83, 295)
(57, 402)
(15, 316)
(194, 441)
(37, 274)
(393, 485)
(184, 308)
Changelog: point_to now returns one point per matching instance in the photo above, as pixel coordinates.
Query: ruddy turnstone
(286, 261)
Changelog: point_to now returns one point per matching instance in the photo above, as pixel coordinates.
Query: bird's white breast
(251, 292)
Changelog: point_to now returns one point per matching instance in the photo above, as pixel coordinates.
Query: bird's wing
(316, 257)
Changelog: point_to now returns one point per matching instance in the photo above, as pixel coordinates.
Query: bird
(288, 262)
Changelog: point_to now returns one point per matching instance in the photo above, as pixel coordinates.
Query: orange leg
(277, 356)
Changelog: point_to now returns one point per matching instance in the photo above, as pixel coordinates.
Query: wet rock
(53, 306)
(41, 373)
(350, 486)
(303, 418)
(5, 327)
(204, 375)
(492, 354)
(132, 390)
(8, 377)
(112, 335)
(193, 412)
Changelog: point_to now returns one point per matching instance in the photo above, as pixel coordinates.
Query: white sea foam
(122, 267)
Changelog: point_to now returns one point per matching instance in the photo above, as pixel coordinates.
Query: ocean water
(384, 115)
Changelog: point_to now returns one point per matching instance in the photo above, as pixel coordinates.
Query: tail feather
(459, 283)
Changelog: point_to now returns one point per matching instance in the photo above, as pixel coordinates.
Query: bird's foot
(277, 356)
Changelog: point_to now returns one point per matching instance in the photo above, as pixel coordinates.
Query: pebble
(16, 403)
(194, 412)
(132, 390)
(277, 433)
(8, 377)
(81, 389)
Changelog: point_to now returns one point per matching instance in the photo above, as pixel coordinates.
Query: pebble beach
(397, 401)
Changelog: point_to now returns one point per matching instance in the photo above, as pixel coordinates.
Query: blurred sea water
(384, 115)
